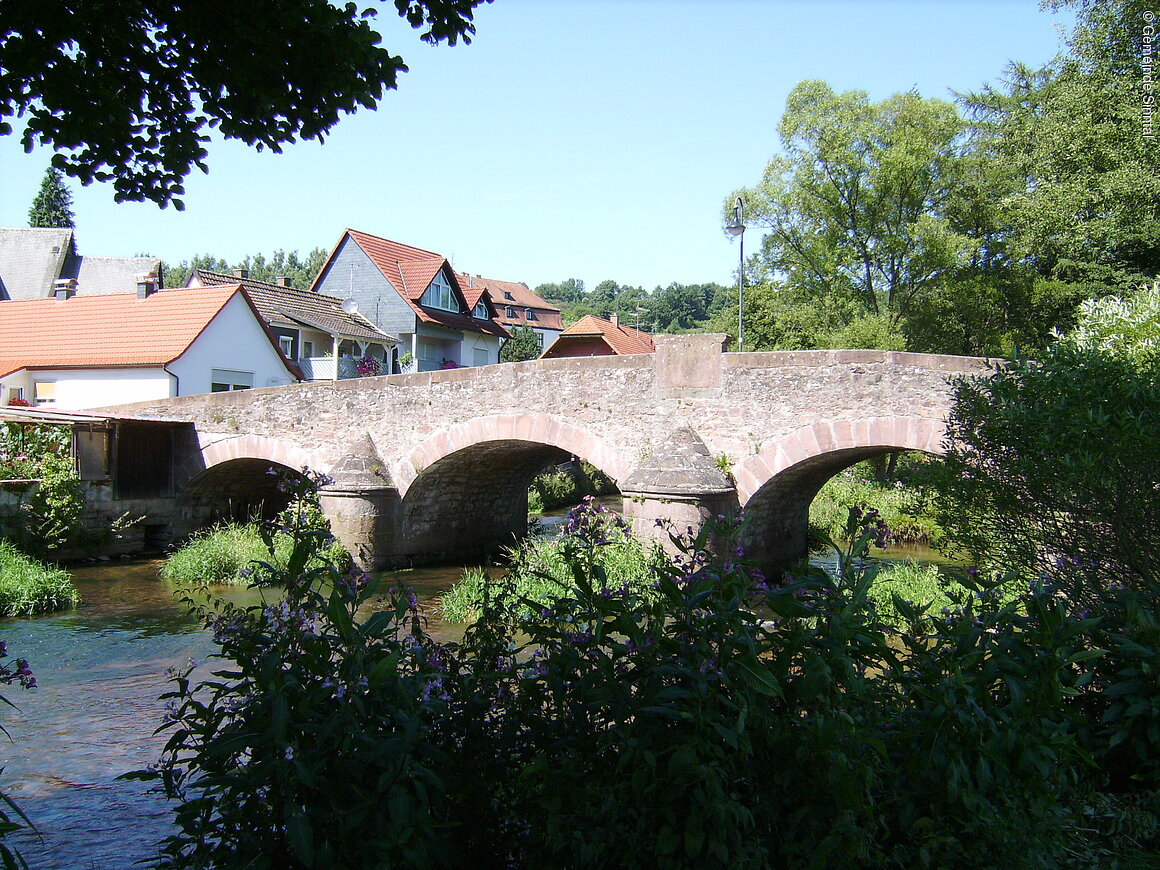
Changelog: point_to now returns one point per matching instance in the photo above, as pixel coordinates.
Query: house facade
(312, 329)
(37, 262)
(79, 352)
(413, 294)
(595, 336)
(516, 306)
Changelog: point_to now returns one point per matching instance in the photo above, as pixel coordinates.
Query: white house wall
(235, 341)
(77, 389)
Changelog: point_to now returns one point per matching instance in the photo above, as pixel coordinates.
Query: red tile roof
(410, 271)
(112, 330)
(519, 297)
(619, 339)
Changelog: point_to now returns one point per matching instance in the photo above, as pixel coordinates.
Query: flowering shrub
(369, 365)
(726, 720)
(17, 402)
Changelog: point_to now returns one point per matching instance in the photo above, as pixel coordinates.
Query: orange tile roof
(620, 339)
(410, 271)
(112, 330)
(547, 314)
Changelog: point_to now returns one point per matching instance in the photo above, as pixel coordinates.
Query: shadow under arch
(236, 490)
(779, 483)
(473, 501)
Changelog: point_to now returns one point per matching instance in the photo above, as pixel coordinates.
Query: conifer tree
(53, 204)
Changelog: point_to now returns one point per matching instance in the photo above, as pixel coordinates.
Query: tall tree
(53, 204)
(125, 92)
(523, 345)
(1085, 208)
(855, 205)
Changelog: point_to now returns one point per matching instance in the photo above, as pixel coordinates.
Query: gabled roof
(31, 259)
(519, 297)
(109, 331)
(409, 271)
(619, 339)
(291, 306)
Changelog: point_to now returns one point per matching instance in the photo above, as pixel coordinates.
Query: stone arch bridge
(436, 465)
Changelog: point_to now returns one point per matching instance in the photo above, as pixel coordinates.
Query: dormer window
(510, 312)
(529, 314)
(480, 312)
(507, 295)
(439, 295)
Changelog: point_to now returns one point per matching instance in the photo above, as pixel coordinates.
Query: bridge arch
(777, 485)
(466, 488)
(234, 483)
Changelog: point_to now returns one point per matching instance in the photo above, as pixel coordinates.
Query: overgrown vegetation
(232, 553)
(48, 514)
(539, 571)
(567, 486)
(903, 496)
(27, 587)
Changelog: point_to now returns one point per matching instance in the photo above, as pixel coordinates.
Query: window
(44, 392)
(480, 356)
(507, 295)
(480, 312)
(224, 380)
(510, 312)
(308, 348)
(286, 343)
(439, 295)
(529, 314)
(540, 340)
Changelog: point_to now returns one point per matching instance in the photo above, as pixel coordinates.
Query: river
(100, 669)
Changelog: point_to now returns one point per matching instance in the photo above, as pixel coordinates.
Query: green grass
(225, 554)
(538, 571)
(27, 587)
(906, 504)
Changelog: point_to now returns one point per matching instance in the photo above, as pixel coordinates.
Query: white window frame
(440, 295)
(227, 380)
(286, 344)
(480, 312)
(44, 393)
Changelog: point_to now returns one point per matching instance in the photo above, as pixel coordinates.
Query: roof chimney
(240, 273)
(283, 281)
(63, 288)
(146, 285)
(616, 320)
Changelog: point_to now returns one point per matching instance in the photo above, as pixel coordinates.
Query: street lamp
(736, 228)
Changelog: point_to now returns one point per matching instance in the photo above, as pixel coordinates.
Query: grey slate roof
(31, 259)
(290, 306)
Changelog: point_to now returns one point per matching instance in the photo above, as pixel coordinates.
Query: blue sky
(587, 139)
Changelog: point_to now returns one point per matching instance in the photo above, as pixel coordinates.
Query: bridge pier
(678, 483)
(361, 505)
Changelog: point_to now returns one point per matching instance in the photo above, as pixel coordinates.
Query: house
(416, 295)
(517, 306)
(35, 262)
(595, 336)
(74, 352)
(312, 329)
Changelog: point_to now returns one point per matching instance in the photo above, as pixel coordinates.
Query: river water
(100, 669)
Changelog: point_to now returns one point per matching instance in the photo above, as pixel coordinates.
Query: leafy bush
(555, 488)
(720, 723)
(28, 588)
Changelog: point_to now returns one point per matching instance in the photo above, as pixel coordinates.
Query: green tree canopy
(53, 204)
(125, 92)
(299, 271)
(855, 207)
(523, 345)
(1083, 204)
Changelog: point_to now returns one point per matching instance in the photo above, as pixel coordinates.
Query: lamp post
(736, 228)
